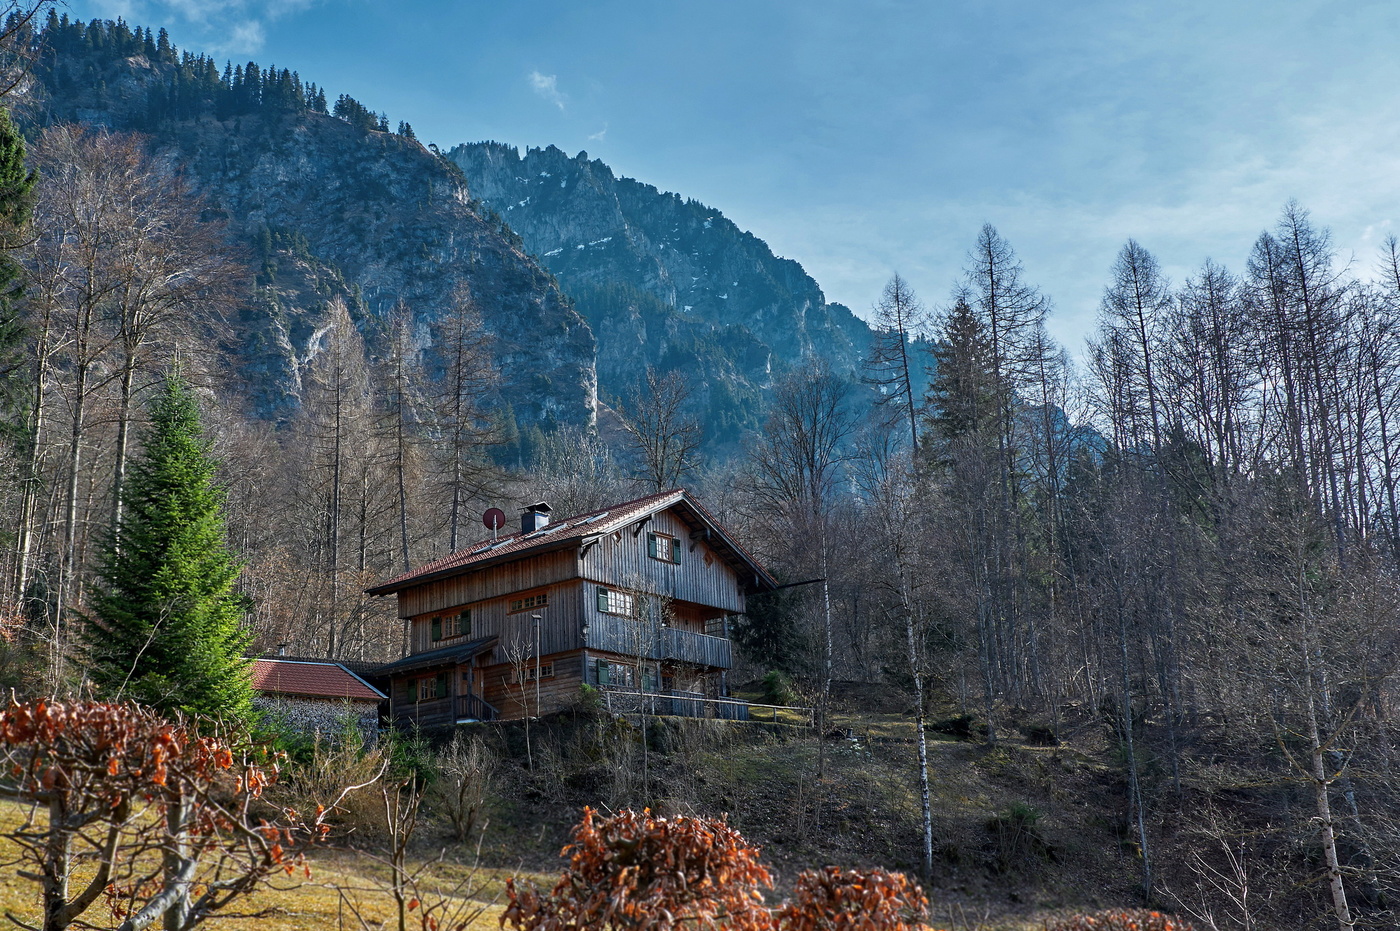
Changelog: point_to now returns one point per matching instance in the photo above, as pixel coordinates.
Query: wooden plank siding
(497, 685)
(520, 575)
(620, 559)
(556, 692)
(561, 623)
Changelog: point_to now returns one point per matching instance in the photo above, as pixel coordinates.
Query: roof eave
(549, 546)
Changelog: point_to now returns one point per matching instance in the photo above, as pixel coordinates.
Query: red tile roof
(557, 534)
(313, 679)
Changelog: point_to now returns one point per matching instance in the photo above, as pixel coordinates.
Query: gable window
(663, 547)
(612, 601)
(448, 626)
(536, 600)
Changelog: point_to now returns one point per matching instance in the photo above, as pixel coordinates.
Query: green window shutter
(602, 672)
(407, 690)
(651, 545)
(464, 623)
(676, 552)
(437, 628)
(602, 601)
(444, 684)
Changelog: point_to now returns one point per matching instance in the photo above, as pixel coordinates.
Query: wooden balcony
(633, 638)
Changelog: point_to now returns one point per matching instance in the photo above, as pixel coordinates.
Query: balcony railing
(675, 703)
(631, 638)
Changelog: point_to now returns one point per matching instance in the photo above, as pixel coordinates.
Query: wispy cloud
(599, 135)
(547, 86)
(220, 27)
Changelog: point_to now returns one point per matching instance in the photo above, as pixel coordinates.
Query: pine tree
(166, 623)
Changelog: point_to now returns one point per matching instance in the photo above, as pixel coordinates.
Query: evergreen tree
(166, 623)
(964, 397)
(16, 204)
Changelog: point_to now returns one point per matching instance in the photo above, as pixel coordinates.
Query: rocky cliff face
(665, 281)
(391, 217)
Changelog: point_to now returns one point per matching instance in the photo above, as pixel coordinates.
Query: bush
(462, 784)
(1016, 837)
(959, 726)
(632, 870)
(778, 688)
(1125, 920)
(833, 899)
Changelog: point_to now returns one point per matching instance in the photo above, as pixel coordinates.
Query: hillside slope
(666, 281)
(381, 209)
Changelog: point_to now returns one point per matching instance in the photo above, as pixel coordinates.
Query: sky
(864, 138)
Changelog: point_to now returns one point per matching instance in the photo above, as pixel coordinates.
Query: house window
(662, 547)
(623, 675)
(537, 600)
(438, 686)
(448, 626)
(546, 671)
(612, 601)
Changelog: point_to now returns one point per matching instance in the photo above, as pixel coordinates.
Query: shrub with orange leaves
(161, 815)
(833, 899)
(1123, 920)
(632, 870)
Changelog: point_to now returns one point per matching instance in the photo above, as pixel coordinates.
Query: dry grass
(342, 882)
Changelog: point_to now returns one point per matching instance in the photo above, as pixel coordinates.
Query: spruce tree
(16, 204)
(166, 623)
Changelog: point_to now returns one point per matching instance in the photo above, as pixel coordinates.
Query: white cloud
(599, 135)
(547, 86)
(218, 27)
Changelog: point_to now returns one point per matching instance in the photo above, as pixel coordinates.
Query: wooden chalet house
(634, 600)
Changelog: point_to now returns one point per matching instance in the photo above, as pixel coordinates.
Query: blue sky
(860, 138)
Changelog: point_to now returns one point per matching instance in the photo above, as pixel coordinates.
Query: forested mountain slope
(374, 207)
(669, 275)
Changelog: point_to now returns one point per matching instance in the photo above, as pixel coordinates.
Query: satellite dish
(494, 519)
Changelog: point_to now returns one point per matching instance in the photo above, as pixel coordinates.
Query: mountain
(330, 204)
(666, 281)
(583, 278)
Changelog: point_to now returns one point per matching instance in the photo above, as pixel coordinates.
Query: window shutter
(602, 672)
(676, 552)
(602, 601)
(437, 628)
(651, 545)
(464, 623)
(407, 690)
(444, 684)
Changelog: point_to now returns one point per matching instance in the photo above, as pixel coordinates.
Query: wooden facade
(636, 598)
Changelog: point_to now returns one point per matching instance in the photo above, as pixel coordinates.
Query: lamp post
(535, 618)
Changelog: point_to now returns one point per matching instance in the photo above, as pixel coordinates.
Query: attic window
(663, 547)
(536, 600)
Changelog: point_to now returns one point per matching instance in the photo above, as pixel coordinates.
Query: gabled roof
(454, 655)
(575, 531)
(312, 679)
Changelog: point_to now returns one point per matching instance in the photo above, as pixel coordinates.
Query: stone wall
(324, 715)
